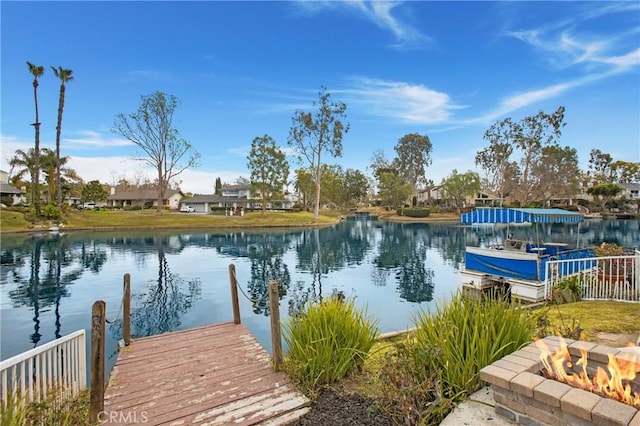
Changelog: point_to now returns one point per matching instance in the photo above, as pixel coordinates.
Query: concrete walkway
(478, 410)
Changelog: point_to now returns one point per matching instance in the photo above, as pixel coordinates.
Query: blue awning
(517, 215)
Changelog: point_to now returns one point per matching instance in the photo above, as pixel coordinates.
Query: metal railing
(58, 367)
(599, 278)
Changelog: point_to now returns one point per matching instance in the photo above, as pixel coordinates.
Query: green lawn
(13, 221)
(597, 316)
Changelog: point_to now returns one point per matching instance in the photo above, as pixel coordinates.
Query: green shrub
(471, 334)
(327, 341)
(51, 212)
(567, 290)
(416, 212)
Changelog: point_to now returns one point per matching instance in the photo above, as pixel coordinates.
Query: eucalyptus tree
(600, 166)
(65, 76)
(37, 71)
(413, 157)
(558, 173)
(379, 163)
(527, 136)
(626, 171)
(151, 129)
(269, 169)
(495, 161)
(313, 134)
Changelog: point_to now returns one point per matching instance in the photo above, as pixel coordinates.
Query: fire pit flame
(614, 384)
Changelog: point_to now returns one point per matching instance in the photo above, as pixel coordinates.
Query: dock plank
(211, 375)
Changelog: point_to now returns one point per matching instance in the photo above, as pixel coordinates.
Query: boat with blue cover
(519, 265)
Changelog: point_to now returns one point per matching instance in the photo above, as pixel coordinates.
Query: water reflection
(267, 265)
(179, 278)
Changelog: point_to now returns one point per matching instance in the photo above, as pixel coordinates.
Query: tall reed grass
(327, 341)
(469, 335)
(57, 409)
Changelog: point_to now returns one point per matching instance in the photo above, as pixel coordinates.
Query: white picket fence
(600, 278)
(59, 366)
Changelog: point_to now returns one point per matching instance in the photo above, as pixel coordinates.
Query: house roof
(5, 188)
(212, 198)
(519, 215)
(141, 194)
(630, 186)
(236, 187)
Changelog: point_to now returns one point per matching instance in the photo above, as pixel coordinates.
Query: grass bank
(14, 221)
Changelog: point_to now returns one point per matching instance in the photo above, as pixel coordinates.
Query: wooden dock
(213, 375)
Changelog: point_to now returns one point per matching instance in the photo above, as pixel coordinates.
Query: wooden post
(126, 310)
(234, 293)
(276, 337)
(98, 318)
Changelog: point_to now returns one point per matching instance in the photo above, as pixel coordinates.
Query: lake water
(180, 280)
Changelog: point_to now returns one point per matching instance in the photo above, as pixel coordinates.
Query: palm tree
(50, 172)
(37, 71)
(22, 163)
(65, 76)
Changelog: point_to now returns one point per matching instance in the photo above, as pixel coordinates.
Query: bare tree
(151, 129)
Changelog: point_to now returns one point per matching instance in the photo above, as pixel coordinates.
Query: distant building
(146, 198)
(235, 198)
(7, 190)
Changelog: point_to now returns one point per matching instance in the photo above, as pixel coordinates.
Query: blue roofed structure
(519, 215)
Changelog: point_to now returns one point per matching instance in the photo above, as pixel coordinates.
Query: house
(235, 198)
(487, 199)
(237, 191)
(7, 190)
(630, 191)
(428, 196)
(146, 198)
(205, 203)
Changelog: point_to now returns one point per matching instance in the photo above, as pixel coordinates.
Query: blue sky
(445, 69)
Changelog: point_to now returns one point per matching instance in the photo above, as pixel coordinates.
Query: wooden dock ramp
(213, 375)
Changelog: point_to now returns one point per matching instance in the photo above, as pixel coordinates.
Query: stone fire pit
(525, 397)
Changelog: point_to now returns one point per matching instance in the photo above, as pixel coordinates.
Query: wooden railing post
(276, 337)
(126, 310)
(98, 319)
(234, 293)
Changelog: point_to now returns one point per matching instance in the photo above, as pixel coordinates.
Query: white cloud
(377, 12)
(108, 169)
(148, 75)
(566, 43)
(402, 101)
(92, 139)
